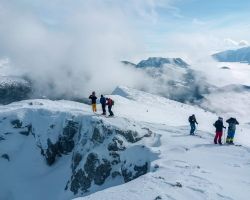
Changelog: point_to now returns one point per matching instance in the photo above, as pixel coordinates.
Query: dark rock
(90, 165)
(79, 181)
(66, 140)
(2, 138)
(97, 136)
(115, 174)
(116, 158)
(28, 131)
(102, 172)
(130, 136)
(127, 175)
(178, 184)
(8, 133)
(158, 198)
(52, 126)
(51, 152)
(138, 171)
(77, 157)
(14, 89)
(6, 156)
(116, 145)
(16, 123)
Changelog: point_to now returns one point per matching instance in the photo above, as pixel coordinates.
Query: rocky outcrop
(64, 144)
(99, 150)
(14, 89)
(95, 167)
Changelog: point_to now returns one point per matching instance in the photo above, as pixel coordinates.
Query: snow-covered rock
(91, 152)
(14, 89)
(238, 55)
(60, 150)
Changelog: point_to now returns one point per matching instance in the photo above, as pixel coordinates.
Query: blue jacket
(103, 100)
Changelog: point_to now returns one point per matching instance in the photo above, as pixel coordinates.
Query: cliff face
(95, 152)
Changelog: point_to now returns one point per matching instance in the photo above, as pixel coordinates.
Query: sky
(71, 46)
(212, 25)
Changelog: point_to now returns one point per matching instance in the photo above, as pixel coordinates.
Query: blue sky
(215, 19)
(160, 25)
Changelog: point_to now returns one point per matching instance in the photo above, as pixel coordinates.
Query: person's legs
(219, 136)
(216, 137)
(103, 109)
(110, 111)
(94, 107)
(192, 129)
(230, 136)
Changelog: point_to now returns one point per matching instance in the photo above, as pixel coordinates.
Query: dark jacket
(192, 120)
(109, 102)
(103, 100)
(93, 99)
(232, 122)
(219, 126)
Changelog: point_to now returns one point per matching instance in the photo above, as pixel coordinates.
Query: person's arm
(90, 97)
(237, 122)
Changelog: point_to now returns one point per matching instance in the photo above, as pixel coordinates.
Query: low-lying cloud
(73, 47)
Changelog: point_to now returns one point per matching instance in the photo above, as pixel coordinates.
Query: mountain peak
(238, 55)
(160, 61)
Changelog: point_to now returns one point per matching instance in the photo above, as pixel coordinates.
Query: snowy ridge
(69, 152)
(64, 142)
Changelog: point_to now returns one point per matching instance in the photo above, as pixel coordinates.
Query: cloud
(74, 47)
(232, 43)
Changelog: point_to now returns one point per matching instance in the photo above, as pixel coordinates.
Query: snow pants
(110, 111)
(218, 136)
(94, 107)
(193, 127)
(230, 136)
(103, 109)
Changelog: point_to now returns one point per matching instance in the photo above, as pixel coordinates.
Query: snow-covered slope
(188, 167)
(53, 149)
(238, 55)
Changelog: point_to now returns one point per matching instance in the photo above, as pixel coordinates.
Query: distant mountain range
(158, 62)
(173, 79)
(238, 55)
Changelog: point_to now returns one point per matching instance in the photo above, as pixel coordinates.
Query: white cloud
(74, 46)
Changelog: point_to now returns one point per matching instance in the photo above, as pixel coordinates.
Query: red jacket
(109, 103)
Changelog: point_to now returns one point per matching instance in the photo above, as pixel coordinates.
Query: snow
(204, 170)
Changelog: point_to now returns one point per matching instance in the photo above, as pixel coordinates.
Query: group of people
(219, 126)
(104, 102)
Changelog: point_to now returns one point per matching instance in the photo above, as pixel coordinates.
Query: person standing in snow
(103, 103)
(110, 103)
(193, 122)
(93, 101)
(232, 122)
(219, 130)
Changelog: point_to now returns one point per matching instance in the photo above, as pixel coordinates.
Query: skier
(193, 122)
(219, 130)
(232, 122)
(93, 101)
(110, 103)
(103, 102)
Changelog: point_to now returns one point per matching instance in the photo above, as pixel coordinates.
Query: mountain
(60, 150)
(238, 55)
(160, 62)
(14, 88)
(173, 79)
